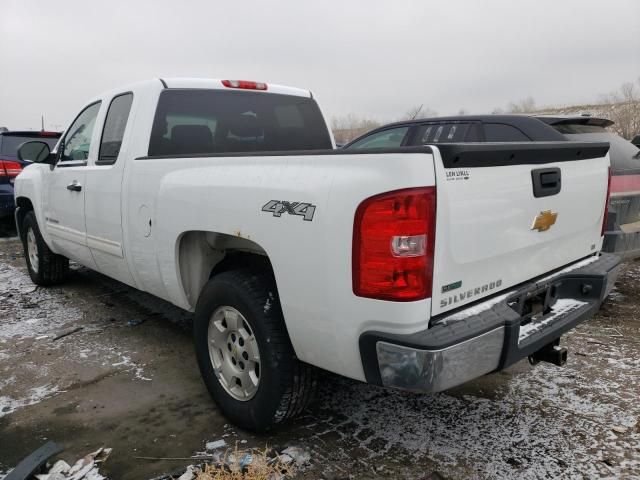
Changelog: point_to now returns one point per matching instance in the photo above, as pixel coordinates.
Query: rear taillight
(606, 204)
(246, 84)
(393, 242)
(9, 169)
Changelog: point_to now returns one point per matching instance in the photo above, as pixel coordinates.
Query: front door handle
(74, 187)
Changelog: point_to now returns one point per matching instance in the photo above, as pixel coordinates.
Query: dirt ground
(128, 379)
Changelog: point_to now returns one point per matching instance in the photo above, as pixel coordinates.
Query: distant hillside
(626, 115)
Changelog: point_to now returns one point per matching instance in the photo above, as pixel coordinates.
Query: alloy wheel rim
(32, 250)
(234, 353)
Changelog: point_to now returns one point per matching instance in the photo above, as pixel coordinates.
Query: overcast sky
(372, 58)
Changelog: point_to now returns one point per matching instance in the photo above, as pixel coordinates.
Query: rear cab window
(114, 128)
(195, 121)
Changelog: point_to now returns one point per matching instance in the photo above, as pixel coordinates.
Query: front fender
(30, 184)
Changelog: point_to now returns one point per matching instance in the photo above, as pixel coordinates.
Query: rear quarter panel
(311, 259)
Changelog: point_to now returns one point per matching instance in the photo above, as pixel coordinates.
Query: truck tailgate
(510, 212)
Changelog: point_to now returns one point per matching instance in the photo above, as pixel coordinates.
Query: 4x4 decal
(277, 207)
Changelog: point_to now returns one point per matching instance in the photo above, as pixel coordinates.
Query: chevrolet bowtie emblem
(544, 221)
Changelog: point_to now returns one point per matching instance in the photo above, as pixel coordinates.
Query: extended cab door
(64, 195)
(103, 202)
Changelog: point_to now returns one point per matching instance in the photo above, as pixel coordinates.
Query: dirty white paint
(476, 309)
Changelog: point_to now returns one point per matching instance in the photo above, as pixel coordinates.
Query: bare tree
(525, 105)
(625, 109)
(347, 127)
(418, 111)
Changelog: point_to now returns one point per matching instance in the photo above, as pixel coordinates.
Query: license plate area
(535, 303)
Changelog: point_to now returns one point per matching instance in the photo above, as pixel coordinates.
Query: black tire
(51, 268)
(286, 385)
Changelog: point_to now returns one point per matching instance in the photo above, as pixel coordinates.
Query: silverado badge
(544, 221)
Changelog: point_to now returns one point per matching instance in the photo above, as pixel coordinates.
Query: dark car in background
(11, 166)
(622, 235)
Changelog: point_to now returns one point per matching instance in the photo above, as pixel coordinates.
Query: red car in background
(10, 166)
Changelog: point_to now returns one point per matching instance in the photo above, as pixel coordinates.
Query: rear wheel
(244, 353)
(45, 267)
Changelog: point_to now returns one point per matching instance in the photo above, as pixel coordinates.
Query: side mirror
(38, 152)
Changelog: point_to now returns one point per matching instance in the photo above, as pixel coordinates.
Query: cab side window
(390, 138)
(114, 127)
(78, 138)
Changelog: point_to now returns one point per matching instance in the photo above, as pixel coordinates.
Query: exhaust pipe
(552, 353)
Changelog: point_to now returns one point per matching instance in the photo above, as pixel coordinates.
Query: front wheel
(45, 267)
(244, 353)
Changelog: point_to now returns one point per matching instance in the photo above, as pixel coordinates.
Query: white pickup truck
(418, 268)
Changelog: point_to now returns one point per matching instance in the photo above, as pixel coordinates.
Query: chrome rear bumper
(451, 353)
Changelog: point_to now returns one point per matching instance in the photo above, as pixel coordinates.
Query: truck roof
(197, 83)
(214, 83)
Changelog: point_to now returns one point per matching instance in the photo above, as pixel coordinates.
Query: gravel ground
(127, 378)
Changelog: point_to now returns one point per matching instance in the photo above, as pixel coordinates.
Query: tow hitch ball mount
(552, 353)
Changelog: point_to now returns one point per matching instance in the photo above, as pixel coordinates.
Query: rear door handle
(546, 181)
(74, 186)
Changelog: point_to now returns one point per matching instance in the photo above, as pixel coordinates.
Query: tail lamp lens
(393, 245)
(9, 169)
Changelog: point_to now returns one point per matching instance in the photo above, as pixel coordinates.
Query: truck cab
(408, 267)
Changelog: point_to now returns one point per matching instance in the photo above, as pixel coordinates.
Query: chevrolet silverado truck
(414, 268)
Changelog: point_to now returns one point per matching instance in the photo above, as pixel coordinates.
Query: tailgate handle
(546, 181)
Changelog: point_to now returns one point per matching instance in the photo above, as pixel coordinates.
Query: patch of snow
(298, 454)
(560, 308)
(36, 395)
(34, 313)
(137, 369)
(215, 444)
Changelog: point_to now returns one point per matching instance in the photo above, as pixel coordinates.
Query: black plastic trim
(454, 155)
(16, 216)
(469, 155)
(443, 335)
(285, 153)
(546, 189)
(76, 163)
(164, 84)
